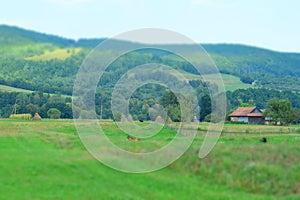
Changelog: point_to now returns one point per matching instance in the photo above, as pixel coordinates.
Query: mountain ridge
(36, 36)
(266, 67)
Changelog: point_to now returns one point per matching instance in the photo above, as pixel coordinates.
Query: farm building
(250, 115)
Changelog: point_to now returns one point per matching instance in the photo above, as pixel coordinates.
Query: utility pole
(101, 111)
(14, 111)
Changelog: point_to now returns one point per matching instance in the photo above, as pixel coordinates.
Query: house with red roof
(250, 115)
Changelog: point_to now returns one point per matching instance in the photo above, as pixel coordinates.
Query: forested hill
(11, 35)
(270, 68)
(43, 62)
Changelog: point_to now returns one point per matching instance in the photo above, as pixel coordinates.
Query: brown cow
(133, 138)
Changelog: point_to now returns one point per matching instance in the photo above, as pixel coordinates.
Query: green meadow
(230, 82)
(46, 160)
(61, 54)
(4, 88)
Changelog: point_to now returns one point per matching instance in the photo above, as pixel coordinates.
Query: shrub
(117, 116)
(53, 113)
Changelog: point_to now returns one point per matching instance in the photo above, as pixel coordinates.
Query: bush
(53, 113)
(247, 79)
(117, 116)
(212, 118)
(85, 114)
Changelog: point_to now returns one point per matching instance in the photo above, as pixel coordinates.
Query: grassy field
(61, 54)
(231, 82)
(5, 88)
(46, 160)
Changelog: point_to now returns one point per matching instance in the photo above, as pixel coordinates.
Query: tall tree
(280, 110)
(170, 103)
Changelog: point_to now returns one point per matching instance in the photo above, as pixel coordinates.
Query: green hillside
(269, 68)
(32, 61)
(231, 82)
(4, 88)
(61, 54)
(25, 54)
(11, 35)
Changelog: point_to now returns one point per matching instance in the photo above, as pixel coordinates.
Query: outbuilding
(250, 115)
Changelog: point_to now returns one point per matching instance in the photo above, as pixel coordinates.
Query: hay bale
(123, 118)
(37, 117)
(159, 120)
(169, 120)
(129, 118)
(195, 119)
(20, 116)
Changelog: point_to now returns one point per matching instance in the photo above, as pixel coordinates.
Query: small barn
(250, 115)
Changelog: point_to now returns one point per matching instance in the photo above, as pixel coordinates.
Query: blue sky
(269, 24)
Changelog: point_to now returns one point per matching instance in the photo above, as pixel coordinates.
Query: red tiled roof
(245, 112)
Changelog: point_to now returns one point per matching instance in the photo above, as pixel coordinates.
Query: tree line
(36, 102)
(282, 106)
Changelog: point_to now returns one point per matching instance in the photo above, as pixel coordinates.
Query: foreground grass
(46, 160)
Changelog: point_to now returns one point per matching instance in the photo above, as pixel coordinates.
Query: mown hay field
(46, 160)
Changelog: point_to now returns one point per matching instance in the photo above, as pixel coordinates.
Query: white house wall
(242, 119)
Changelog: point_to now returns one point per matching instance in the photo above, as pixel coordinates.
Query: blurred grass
(46, 160)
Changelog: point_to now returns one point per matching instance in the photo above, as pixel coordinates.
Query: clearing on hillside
(60, 54)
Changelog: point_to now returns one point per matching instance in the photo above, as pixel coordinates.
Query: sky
(271, 24)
